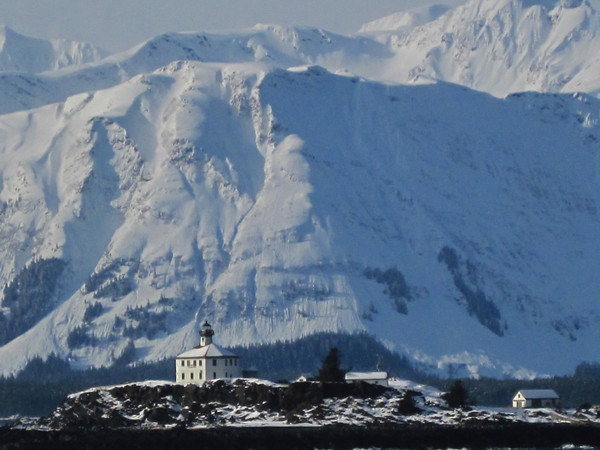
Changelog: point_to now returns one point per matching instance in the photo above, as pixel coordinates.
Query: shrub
(406, 406)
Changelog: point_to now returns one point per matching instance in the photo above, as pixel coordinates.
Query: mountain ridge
(233, 178)
(301, 249)
(26, 54)
(504, 47)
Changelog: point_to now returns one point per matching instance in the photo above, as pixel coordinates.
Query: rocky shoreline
(258, 414)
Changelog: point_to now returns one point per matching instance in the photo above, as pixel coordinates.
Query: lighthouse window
(182, 363)
(225, 365)
(192, 375)
(183, 376)
(200, 363)
(200, 375)
(214, 362)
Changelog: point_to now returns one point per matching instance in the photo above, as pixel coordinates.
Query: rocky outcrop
(161, 404)
(257, 414)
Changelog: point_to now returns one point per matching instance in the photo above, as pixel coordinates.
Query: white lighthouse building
(207, 361)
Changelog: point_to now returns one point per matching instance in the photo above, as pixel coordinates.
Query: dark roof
(538, 393)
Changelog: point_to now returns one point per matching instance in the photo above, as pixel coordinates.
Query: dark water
(521, 437)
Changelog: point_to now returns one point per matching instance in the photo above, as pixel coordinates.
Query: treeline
(43, 384)
(289, 360)
(578, 390)
(478, 304)
(105, 283)
(395, 284)
(29, 297)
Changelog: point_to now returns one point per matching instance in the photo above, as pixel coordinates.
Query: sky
(119, 24)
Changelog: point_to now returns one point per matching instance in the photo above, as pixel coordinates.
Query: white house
(380, 378)
(207, 361)
(536, 398)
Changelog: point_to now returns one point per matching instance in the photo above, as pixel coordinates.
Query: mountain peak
(5, 29)
(7, 33)
(237, 178)
(506, 46)
(406, 20)
(28, 54)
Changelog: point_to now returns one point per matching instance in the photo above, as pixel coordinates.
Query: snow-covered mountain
(504, 46)
(405, 20)
(500, 47)
(271, 45)
(250, 179)
(25, 54)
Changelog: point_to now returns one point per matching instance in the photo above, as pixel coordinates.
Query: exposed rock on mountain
(505, 46)
(219, 177)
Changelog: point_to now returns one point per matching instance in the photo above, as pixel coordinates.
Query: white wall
(198, 370)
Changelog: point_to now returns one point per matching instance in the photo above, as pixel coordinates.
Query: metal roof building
(536, 398)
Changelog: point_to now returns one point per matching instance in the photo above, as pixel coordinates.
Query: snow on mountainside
(25, 54)
(266, 200)
(504, 46)
(498, 47)
(275, 46)
(405, 20)
(229, 178)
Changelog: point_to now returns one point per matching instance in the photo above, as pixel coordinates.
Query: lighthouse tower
(206, 334)
(207, 361)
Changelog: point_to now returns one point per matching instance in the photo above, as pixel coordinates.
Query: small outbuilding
(207, 361)
(536, 398)
(251, 372)
(380, 378)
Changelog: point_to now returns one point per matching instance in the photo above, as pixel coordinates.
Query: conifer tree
(330, 367)
(458, 395)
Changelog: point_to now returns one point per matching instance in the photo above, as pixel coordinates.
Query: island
(253, 413)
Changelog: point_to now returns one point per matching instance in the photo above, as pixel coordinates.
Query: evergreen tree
(330, 367)
(458, 395)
